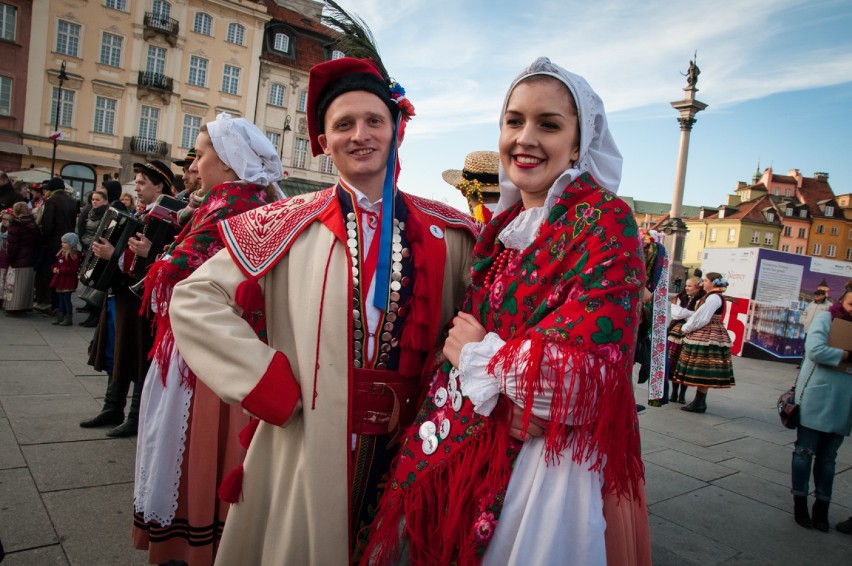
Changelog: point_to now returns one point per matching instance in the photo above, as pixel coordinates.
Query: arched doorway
(81, 178)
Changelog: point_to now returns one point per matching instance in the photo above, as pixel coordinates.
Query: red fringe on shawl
(157, 287)
(597, 396)
(439, 510)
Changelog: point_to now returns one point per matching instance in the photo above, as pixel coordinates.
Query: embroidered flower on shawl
(498, 291)
(587, 215)
(484, 527)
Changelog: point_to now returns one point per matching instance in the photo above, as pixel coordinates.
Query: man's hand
(465, 329)
(139, 245)
(102, 248)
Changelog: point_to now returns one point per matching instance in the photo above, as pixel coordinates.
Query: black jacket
(59, 217)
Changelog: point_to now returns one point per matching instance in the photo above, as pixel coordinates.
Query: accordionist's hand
(102, 248)
(139, 245)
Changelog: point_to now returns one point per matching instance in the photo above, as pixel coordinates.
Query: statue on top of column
(692, 72)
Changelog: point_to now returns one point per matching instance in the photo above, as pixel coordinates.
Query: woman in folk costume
(318, 320)
(705, 357)
(22, 246)
(651, 339)
(549, 326)
(187, 438)
(683, 306)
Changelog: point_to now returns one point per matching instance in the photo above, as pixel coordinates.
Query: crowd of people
(360, 375)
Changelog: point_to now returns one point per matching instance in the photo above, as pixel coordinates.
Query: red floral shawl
(198, 241)
(573, 297)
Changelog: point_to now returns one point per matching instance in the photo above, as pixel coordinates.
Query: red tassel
(248, 433)
(232, 486)
(249, 297)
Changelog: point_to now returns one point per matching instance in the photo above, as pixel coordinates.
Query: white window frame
(111, 48)
(275, 139)
(830, 250)
(5, 95)
(834, 231)
(800, 250)
(120, 5)
(67, 38)
(829, 210)
(326, 165)
(197, 71)
(277, 94)
(803, 232)
(820, 229)
(161, 10)
(788, 231)
(189, 131)
(105, 110)
(300, 153)
(755, 236)
(768, 239)
(785, 248)
(848, 254)
(156, 62)
(231, 79)
(236, 34)
(701, 236)
(66, 113)
(337, 54)
(202, 23)
(789, 211)
(732, 234)
(803, 213)
(281, 42)
(817, 249)
(149, 122)
(8, 22)
(712, 234)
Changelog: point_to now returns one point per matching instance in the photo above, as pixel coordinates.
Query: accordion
(117, 228)
(161, 227)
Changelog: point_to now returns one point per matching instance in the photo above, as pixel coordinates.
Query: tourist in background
(22, 243)
(64, 281)
(58, 218)
(818, 305)
(824, 395)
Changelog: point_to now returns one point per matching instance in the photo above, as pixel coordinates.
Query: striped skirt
(18, 289)
(705, 357)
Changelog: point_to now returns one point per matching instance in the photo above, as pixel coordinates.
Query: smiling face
(357, 137)
(539, 137)
(208, 168)
(693, 285)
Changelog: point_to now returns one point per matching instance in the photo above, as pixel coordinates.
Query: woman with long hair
(824, 395)
(187, 439)
(22, 243)
(704, 361)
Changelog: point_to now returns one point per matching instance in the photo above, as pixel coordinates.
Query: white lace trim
(163, 421)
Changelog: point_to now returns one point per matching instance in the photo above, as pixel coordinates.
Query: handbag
(788, 409)
(92, 297)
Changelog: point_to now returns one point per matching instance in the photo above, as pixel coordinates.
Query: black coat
(59, 217)
(9, 196)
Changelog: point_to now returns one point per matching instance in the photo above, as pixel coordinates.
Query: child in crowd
(64, 280)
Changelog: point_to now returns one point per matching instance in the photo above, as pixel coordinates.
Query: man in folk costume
(123, 338)
(317, 319)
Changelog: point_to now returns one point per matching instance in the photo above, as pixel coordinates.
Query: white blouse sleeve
(680, 313)
(704, 313)
(484, 389)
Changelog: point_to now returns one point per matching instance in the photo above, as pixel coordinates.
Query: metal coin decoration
(387, 341)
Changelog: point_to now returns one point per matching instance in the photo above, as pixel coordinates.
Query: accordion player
(161, 227)
(117, 228)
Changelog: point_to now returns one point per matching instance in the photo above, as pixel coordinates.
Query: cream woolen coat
(295, 505)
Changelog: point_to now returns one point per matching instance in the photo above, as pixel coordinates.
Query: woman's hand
(139, 245)
(535, 428)
(102, 248)
(465, 329)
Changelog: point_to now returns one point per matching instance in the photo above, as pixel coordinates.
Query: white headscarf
(599, 155)
(243, 148)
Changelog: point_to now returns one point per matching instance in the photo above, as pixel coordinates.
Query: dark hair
(531, 79)
(113, 190)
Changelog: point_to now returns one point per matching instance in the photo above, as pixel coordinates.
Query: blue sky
(776, 74)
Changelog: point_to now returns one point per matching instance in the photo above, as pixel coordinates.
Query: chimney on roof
(796, 175)
(821, 176)
(733, 200)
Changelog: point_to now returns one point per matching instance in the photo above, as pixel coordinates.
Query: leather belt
(382, 401)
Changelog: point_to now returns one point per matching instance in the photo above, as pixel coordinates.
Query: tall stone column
(674, 227)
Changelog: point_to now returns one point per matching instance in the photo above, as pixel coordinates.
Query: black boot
(819, 512)
(113, 411)
(800, 511)
(673, 396)
(131, 425)
(682, 397)
(698, 405)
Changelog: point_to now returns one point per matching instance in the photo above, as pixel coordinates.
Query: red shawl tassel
(439, 506)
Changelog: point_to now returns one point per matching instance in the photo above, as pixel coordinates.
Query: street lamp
(62, 78)
(287, 128)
